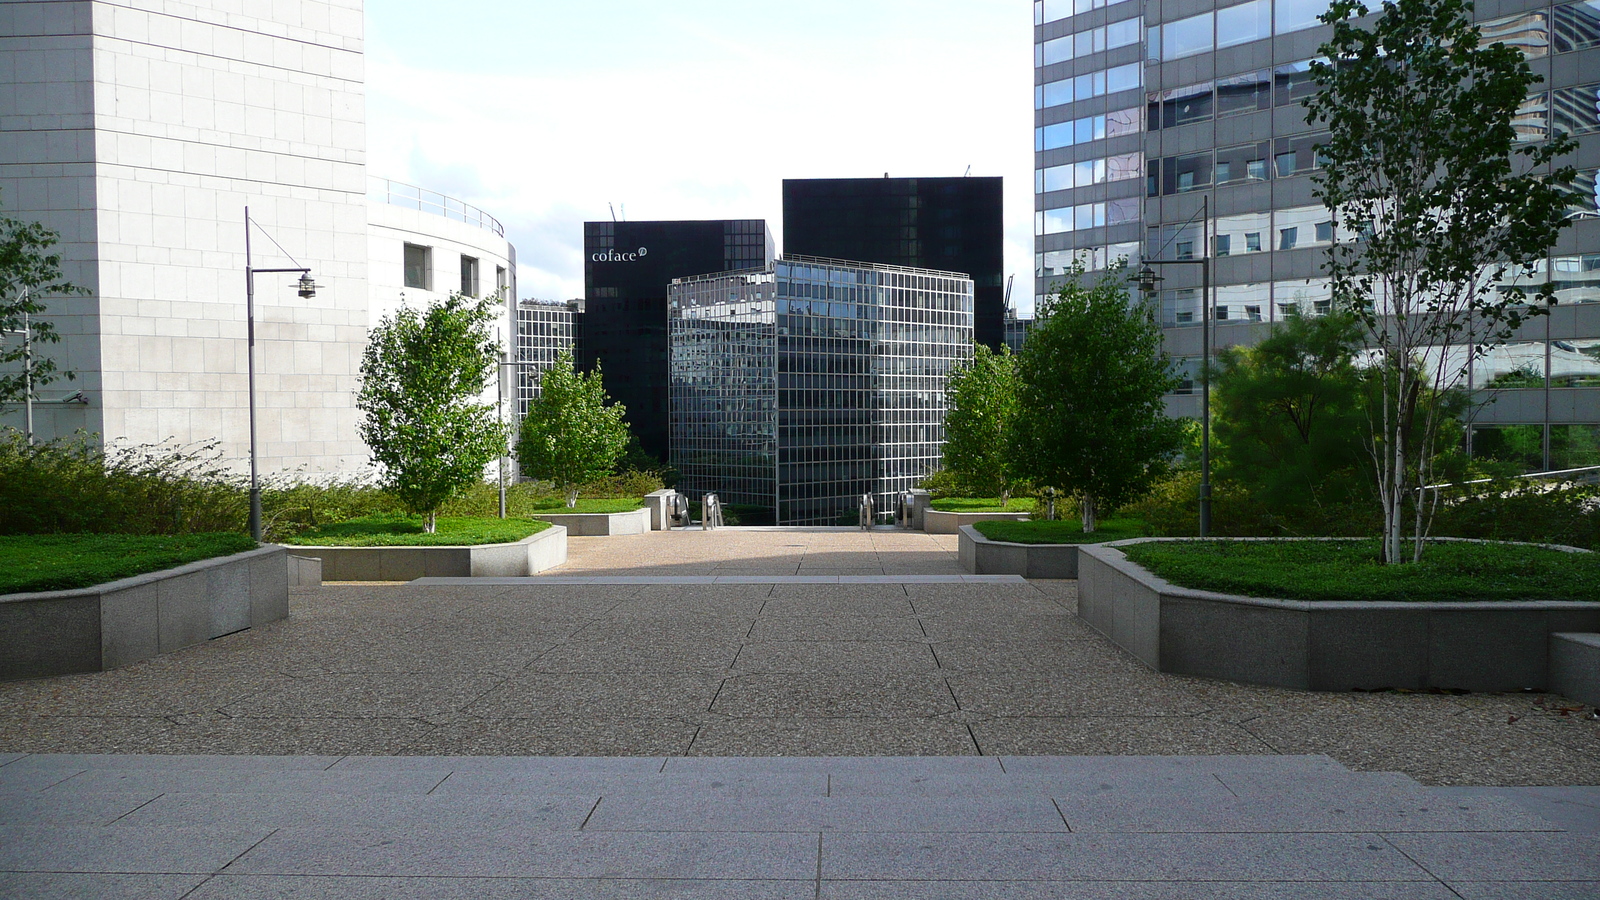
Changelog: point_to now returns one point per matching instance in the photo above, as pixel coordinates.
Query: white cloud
(705, 125)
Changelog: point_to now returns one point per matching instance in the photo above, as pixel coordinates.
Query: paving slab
(98, 886)
(1116, 857)
(524, 852)
(282, 887)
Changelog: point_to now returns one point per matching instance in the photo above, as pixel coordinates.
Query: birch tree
(1439, 209)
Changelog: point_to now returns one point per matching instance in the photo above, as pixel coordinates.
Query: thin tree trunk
(1087, 507)
(431, 526)
(572, 497)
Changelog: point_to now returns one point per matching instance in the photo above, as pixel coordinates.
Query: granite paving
(776, 713)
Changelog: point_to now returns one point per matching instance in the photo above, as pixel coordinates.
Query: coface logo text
(614, 256)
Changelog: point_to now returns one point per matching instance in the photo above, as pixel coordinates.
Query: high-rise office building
(949, 224)
(1142, 109)
(545, 329)
(805, 385)
(626, 269)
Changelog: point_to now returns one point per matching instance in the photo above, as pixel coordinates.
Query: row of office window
(1055, 10)
(1087, 172)
(418, 264)
(1086, 215)
(1567, 27)
(1230, 96)
(1241, 164)
(1089, 128)
(1088, 85)
(1092, 40)
(1575, 361)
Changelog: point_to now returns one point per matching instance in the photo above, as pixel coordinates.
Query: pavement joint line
(1385, 838)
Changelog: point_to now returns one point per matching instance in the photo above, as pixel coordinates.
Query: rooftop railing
(409, 196)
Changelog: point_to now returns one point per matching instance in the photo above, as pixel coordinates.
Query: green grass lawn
(558, 506)
(58, 562)
(1349, 570)
(1061, 531)
(982, 504)
(406, 531)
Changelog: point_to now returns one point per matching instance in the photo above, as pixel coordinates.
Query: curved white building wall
(444, 231)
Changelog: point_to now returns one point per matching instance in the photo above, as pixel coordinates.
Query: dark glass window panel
(1186, 173)
(1188, 104)
(1575, 110)
(1297, 155)
(1246, 162)
(1244, 93)
(1292, 83)
(1576, 26)
(1528, 32)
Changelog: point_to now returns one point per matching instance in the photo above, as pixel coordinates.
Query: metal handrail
(409, 196)
(1551, 474)
(710, 512)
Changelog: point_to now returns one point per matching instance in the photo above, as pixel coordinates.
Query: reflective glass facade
(1220, 89)
(626, 268)
(949, 224)
(544, 329)
(804, 385)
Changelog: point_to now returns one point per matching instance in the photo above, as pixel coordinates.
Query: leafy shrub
(1517, 510)
(75, 486)
(289, 507)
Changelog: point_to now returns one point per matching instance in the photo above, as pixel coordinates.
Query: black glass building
(949, 224)
(626, 269)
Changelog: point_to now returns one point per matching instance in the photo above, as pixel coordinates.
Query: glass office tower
(803, 385)
(1142, 109)
(545, 328)
(626, 268)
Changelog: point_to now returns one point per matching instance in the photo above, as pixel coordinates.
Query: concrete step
(1234, 826)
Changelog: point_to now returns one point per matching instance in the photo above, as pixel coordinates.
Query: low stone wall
(981, 556)
(122, 622)
(600, 524)
(1322, 646)
(532, 554)
(1575, 666)
(935, 521)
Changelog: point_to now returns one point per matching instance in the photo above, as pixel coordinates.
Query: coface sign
(614, 256)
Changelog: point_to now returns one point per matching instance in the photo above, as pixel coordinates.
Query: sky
(548, 113)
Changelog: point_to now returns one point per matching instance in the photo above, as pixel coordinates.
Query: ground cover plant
(59, 562)
(983, 504)
(1062, 531)
(409, 531)
(1353, 570)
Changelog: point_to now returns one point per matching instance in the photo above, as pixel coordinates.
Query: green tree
(421, 376)
(1437, 205)
(1091, 420)
(982, 395)
(29, 273)
(572, 432)
(1289, 415)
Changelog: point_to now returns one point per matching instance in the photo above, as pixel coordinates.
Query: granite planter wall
(122, 622)
(981, 556)
(1323, 646)
(936, 521)
(532, 554)
(600, 524)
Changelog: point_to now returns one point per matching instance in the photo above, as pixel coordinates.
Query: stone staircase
(839, 827)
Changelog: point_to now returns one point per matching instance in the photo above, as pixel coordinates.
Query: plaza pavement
(618, 738)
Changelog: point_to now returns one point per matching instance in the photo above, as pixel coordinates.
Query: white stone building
(141, 130)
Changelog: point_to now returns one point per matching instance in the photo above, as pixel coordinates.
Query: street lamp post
(1146, 278)
(307, 289)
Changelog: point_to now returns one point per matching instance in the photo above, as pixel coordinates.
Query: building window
(1223, 241)
(419, 267)
(469, 275)
(501, 282)
(1252, 242)
(1288, 238)
(1324, 232)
